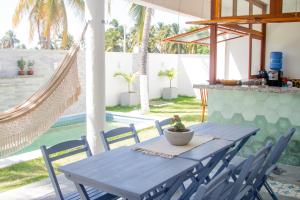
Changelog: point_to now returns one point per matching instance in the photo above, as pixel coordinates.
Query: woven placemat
(163, 148)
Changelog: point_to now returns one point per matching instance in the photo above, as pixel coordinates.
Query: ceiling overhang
(199, 9)
(201, 36)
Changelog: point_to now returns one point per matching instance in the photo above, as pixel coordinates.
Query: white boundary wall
(191, 69)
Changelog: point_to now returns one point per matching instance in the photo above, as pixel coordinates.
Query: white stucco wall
(191, 69)
(283, 37)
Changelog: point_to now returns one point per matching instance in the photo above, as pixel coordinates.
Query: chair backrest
(250, 169)
(274, 156)
(160, 124)
(108, 136)
(280, 146)
(215, 188)
(57, 152)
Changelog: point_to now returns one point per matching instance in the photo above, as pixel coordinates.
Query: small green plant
(178, 125)
(30, 64)
(21, 64)
(169, 73)
(128, 77)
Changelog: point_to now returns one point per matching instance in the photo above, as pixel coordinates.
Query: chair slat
(77, 151)
(120, 139)
(65, 146)
(83, 147)
(119, 132)
(160, 124)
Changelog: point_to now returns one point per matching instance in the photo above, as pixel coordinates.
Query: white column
(95, 73)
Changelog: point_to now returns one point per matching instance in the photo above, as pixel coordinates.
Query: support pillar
(95, 73)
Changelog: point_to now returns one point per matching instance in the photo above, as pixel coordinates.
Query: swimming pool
(74, 126)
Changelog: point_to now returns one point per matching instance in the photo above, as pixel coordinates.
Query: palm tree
(142, 16)
(9, 40)
(49, 17)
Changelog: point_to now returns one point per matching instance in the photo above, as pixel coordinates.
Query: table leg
(81, 190)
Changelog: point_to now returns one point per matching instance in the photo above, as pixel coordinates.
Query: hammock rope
(20, 125)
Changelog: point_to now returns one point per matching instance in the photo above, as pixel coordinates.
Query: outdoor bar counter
(274, 110)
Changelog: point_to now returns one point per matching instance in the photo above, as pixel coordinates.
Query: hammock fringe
(25, 122)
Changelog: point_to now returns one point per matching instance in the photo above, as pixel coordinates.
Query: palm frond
(138, 12)
(22, 8)
(169, 73)
(128, 77)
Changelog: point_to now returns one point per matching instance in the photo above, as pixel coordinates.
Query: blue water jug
(276, 60)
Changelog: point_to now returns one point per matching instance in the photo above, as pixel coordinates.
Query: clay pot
(21, 72)
(30, 72)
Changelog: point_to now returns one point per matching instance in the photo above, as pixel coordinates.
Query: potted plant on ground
(21, 64)
(129, 98)
(171, 92)
(178, 134)
(30, 65)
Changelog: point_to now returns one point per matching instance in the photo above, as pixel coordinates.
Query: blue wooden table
(134, 175)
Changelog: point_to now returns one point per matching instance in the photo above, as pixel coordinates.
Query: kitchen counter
(251, 88)
(272, 109)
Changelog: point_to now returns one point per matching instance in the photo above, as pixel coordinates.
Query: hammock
(20, 125)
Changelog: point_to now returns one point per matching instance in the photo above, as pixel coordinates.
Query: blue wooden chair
(160, 124)
(270, 165)
(216, 188)
(202, 173)
(234, 182)
(245, 174)
(119, 133)
(63, 150)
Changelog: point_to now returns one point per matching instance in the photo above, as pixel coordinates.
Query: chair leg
(258, 196)
(182, 188)
(270, 191)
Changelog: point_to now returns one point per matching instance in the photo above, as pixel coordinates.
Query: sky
(118, 12)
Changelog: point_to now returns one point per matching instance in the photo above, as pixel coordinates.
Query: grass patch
(122, 108)
(22, 173)
(31, 171)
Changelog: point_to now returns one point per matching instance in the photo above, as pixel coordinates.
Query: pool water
(62, 133)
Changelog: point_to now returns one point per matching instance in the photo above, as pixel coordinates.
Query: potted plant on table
(178, 134)
(170, 92)
(21, 64)
(129, 98)
(30, 65)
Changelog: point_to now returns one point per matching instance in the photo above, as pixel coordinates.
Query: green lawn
(27, 172)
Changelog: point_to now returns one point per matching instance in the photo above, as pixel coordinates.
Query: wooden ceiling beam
(231, 31)
(249, 20)
(187, 33)
(242, 29)
(258, 3)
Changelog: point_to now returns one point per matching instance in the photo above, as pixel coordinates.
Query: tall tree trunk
(48, 41)
(39, 33)
(144, 92)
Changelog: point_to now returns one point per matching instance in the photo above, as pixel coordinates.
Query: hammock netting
(20, 125)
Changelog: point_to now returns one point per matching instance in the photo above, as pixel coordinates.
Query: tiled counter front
(273, 113)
